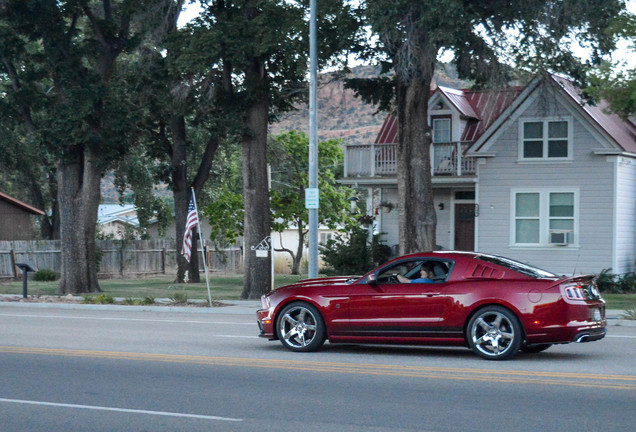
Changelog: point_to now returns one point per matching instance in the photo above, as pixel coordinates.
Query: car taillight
(581, 292)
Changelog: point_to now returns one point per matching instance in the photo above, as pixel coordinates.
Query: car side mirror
(372, 279)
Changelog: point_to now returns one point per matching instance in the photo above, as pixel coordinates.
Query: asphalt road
(109, 370)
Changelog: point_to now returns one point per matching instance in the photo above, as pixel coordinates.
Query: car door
(388, 308)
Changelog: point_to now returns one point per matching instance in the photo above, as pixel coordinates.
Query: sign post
(262, 250)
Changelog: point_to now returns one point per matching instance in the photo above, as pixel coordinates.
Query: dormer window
(441, 130)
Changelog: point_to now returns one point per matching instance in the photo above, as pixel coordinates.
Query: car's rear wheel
(494, 333)
(300, 327)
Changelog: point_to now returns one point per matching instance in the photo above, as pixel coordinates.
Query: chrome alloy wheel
(494, 333)
(300, 327)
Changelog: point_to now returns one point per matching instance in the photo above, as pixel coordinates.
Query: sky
(625, 51)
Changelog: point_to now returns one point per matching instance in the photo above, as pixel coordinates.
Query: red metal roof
(458, 99)
(623, 132)
(482, 108)
(388, 131)
(20, 204)
(489, 105)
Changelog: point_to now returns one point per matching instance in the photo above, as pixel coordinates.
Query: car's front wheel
(494, 333)
(300, 327)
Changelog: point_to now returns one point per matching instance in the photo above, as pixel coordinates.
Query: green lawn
(221, 287)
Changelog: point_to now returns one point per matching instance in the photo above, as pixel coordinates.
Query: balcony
(380, 160)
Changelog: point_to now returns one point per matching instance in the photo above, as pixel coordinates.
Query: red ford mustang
(494, 305)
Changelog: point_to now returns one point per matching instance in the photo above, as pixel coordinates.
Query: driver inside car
(426, 275)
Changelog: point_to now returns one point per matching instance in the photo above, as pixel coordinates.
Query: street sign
(311, 198)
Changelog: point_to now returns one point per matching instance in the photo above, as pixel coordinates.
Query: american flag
(192, 220)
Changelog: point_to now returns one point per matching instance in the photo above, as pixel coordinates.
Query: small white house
(530, 173)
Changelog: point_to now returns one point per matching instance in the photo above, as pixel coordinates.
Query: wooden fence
(117, 259)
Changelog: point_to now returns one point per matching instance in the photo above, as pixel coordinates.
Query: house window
(324, 238)
(540, 216)
(545, 139)
(442, 130)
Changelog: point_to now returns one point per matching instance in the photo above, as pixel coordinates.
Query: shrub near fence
(117, 258)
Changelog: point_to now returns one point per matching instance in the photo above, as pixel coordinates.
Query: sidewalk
(240, 307)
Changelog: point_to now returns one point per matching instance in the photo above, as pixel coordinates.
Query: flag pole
(205, 265)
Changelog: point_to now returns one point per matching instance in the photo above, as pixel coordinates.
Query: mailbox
(26, 268)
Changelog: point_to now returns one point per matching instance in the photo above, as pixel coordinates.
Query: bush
(353, 255)
(616, 284)
(104, 299)
(45, 275)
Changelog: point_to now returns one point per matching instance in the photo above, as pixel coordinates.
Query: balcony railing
(373, 160)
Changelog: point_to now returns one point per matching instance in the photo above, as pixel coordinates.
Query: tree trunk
(299, 252)
(182, 195)
(417, 216)
(78, 197)
(257, 224)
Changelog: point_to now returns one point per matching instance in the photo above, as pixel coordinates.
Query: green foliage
(351, 254)
(100, 299)
(630, 314)
(45, 275)
(148, 300)
(225, 215)
(614, 82)
(179, 298)
(289, 154)
(616, 284)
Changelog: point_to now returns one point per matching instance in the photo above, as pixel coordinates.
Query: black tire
(300, 327)
(494, 333)
(532, 349)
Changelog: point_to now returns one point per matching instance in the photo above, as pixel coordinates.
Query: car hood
(332, 280)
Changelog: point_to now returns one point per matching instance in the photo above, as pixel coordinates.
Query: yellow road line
(588, 380)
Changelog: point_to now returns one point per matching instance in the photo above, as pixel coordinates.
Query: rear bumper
(590, 335)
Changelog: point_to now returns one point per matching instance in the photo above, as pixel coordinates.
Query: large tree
(64, 55)
(179, 121)
(616, 83)
(260, 49)
(487, 38)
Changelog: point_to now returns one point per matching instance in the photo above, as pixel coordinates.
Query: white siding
(591, 175)
(625, 216)
(389, 220)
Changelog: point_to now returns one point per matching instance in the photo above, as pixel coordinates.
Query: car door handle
(431, 294)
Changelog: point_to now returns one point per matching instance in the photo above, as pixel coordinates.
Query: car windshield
(518, 267)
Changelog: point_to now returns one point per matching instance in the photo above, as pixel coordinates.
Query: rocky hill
(344, 116)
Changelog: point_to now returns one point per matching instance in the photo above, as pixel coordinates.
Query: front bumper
(265, 321)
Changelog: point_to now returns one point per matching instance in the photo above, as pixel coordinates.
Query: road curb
(228, 306)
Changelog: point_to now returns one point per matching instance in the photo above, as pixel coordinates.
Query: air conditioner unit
(561, 237)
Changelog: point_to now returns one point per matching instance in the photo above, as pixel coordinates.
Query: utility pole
(311, 193)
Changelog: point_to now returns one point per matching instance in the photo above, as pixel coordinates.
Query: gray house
(530, 173)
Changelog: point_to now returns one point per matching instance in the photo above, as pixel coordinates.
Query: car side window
(409, 269)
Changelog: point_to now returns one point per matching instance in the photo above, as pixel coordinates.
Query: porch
(380, 160)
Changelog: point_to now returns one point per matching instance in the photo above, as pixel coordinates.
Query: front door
(390, 308)
(465, 227)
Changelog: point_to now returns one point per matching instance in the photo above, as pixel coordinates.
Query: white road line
(127, 319)
(620, 336)
(122, 410)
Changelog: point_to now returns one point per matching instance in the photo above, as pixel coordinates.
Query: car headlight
(265, 301)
